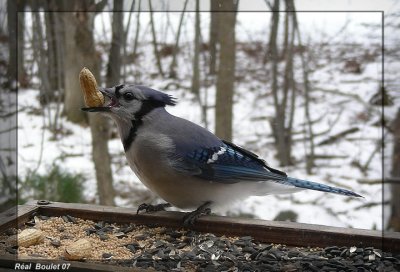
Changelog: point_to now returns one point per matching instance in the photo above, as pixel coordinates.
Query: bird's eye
(128, 96)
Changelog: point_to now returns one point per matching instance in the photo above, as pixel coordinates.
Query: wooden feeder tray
(264, 232)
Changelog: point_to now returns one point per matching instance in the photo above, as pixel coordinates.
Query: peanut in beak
(92, 96)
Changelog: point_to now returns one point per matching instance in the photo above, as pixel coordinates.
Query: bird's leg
(190, 218)
(152, 208)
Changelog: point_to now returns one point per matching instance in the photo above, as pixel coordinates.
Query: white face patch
(214, 156)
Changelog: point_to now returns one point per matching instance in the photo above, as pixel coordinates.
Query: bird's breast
(148, 158)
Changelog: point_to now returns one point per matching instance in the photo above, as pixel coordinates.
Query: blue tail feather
(319, 187)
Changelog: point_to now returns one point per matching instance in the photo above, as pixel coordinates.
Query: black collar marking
(127, 142)
(147, 106)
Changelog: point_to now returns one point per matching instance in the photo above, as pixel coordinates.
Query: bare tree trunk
(60, 42)
(272, 48)
(288, 81)
(278, 123)
(291, 77)
(22, 76)
(394, 220)
(286, 31)
(213, 36)
(101, 157)
(8, 116)
(226, 72)
(80, 52)
(77, 27)
(125, 38)
(114, 63)
(273, 34)
(311, 156)
(12, 43)
(74, 60)
(196, 58)
(51, 51)
(172, 72)
(99, 125)
(135, 44)
(153, 32)
(282, 123)
(41, 58)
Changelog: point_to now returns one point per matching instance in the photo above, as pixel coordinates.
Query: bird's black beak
(110, 101)
(95, 109)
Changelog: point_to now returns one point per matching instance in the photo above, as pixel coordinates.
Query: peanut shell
(93, 97)
(29, 237)
(78, 250)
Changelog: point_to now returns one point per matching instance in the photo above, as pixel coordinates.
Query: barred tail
(319, 187)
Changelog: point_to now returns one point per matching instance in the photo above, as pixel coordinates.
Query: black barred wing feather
(227, 163)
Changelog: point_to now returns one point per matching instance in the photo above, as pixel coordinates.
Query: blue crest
(157, 96)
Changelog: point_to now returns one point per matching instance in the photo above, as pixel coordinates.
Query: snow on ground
(341, 99)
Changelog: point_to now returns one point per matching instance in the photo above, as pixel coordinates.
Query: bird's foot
(152, 208)
(190, 218)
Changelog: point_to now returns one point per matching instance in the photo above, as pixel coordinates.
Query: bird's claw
(152, 208)
(190, 218)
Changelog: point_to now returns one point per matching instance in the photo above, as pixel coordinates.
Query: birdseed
(166, 249)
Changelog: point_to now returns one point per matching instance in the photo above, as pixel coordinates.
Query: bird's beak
(110, 101)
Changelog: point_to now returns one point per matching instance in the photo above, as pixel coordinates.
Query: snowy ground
(339, 99)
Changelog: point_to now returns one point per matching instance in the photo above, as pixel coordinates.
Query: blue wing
(228, 163)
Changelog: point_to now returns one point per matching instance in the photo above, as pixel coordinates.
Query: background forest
(301, 89)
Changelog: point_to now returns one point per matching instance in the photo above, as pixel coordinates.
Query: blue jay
(185, 164)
